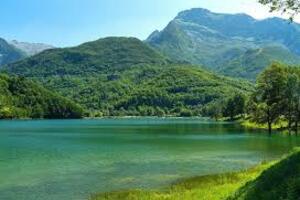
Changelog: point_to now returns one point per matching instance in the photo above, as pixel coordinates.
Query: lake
(66, 160)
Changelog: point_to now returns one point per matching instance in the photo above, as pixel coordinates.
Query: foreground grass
(280, 181)
(268, 181)
(212, 187)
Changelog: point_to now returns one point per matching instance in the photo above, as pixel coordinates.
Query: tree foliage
(291, 7)
(277, 95)
(235, 106)
(21, 98)
(149, 90)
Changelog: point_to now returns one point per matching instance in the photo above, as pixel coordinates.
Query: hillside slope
(149, 90)
(250, 63)
(124, 76)
(282, 181)
(89, 58)
(21, 98)
(222, 42)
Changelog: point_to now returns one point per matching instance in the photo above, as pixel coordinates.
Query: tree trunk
(270, 127)
(269, 122)
(296, 127)
(290, 126)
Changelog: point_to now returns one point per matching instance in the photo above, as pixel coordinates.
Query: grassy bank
(269, 180)
(280, 181)
(280, 126)
(213, 187)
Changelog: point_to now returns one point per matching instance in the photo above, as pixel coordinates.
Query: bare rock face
(31, 49)
(8, 53)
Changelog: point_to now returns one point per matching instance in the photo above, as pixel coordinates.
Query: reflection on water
(72, 159)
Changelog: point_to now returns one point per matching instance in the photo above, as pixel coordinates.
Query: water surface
(53, 160)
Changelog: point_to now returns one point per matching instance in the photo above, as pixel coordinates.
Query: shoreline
(117, 117)
(213, 187)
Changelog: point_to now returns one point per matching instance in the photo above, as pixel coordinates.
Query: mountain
(14, 51)
(93, 57)
(249, 64)
(124, 76)
(225, 42)
(21, 98)
(9, 53)
(30, 49)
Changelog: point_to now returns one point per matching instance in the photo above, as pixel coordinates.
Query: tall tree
(269, 95)
(297, 101)
(290, 98)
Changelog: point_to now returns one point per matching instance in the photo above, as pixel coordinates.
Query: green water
(62, 160)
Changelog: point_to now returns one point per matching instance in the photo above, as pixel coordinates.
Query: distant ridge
(8, 53)
(222, 42)
(112, 53)
(31, 49)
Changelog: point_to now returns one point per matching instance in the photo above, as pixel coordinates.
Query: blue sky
(71, 22)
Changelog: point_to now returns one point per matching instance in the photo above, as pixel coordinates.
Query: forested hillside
(124, 76)
(109, 54)
(150, 91)
(21, 98)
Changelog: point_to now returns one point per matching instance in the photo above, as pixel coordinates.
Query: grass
(280, 181)
(267, 181)
(279, 126)
(212, 187)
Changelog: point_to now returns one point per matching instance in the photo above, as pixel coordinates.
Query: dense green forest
(21, 98)
(124, 76)
(150, 91)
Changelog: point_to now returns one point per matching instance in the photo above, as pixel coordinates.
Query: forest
(21, 98)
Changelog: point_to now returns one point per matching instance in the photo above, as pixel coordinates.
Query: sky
(71, 22)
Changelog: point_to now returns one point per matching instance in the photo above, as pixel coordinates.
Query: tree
(269, 94)
(234, 106)
(214, 110)
(290, 97)
(291, 7)
(296, 113)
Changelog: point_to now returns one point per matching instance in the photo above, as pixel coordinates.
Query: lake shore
(279, 127)
(211, 187)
